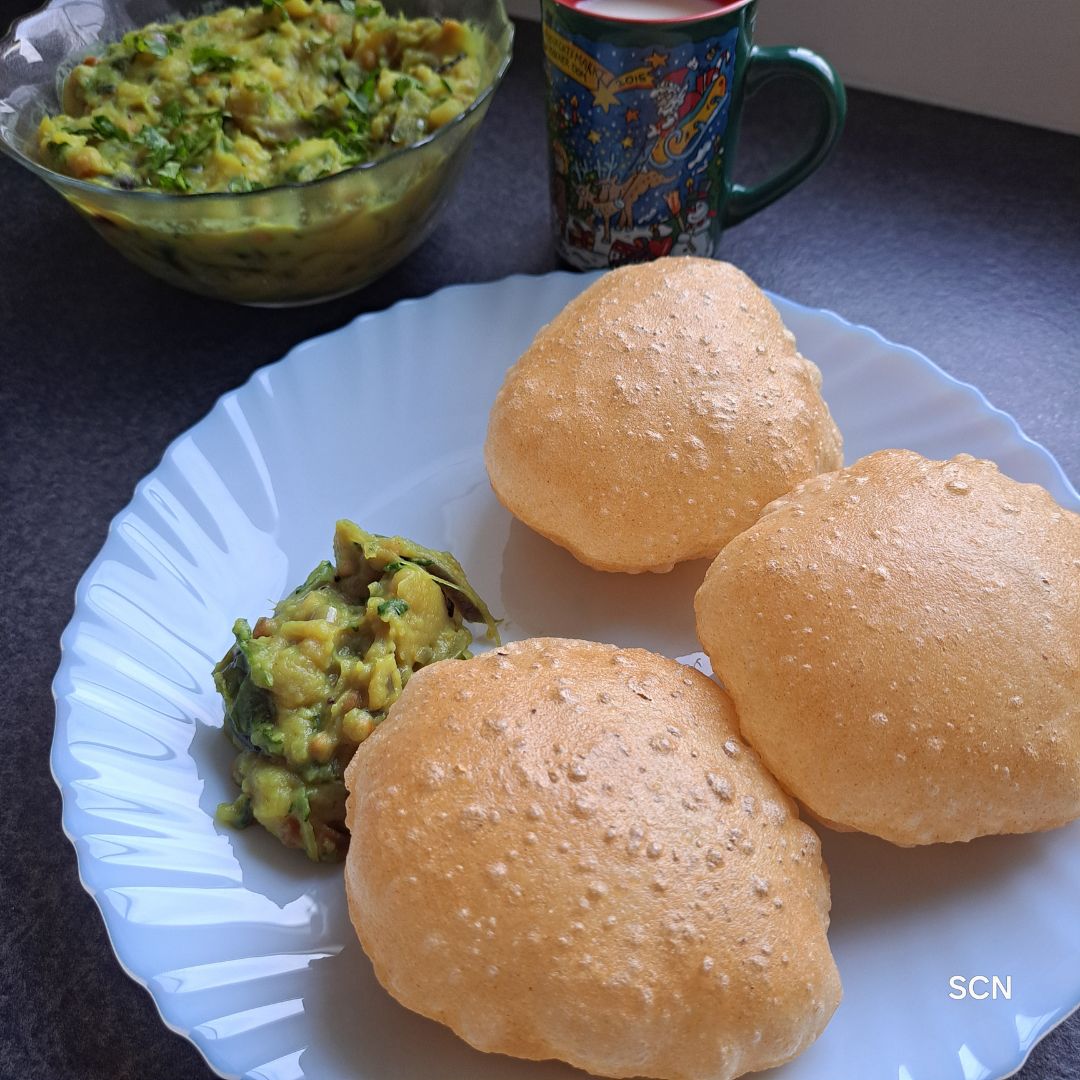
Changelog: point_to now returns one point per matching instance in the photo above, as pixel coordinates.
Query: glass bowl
(288, 245)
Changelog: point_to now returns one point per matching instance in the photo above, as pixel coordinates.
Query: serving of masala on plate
(249, 98)
(306, 685)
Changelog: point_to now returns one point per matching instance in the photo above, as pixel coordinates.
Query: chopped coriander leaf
(170, 177)
(209, 58)
(152, 139)
(360, 103)
(402, 85)
(446, 86)
(368, 11)
(159, 148)
(173, 113)
(393, 567)
(107, 129)
(353, 145)
(301, 807)
(155, 43)
(205, 136)
(396, 606)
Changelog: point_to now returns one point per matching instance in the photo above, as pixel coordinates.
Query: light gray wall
(1016, 59)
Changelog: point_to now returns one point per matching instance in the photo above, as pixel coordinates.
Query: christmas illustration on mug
(636, 136)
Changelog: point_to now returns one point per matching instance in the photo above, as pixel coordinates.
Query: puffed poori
(902, 642)
(564, 850)
(652, 419)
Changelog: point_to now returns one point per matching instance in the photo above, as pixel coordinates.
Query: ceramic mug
(644, 99)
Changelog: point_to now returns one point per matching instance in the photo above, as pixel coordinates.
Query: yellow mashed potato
(248, 98)
(307, 684)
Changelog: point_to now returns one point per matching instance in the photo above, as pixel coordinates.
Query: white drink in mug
(649, 10)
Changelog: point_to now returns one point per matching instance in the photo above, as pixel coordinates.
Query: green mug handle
(765, 64)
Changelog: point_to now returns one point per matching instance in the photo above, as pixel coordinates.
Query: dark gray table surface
(957, 235)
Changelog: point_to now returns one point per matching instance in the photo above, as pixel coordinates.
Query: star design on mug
(604, 97)
(656, 60)
(593, 136)
(628, 142)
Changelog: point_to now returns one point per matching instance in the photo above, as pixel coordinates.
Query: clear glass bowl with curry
(278, 153)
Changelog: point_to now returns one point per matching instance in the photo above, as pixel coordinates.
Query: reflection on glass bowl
(287, 245)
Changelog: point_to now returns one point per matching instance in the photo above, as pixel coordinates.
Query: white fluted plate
(246, 947)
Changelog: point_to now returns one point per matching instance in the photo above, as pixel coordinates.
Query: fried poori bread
(653, 418)
(902, 642)
(564, 850)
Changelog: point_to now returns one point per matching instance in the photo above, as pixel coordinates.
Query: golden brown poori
(565, 850)
(652, 419)
(902, 642)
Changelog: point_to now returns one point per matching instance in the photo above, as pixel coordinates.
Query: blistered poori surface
(902, 641)
(653, 418)
(563, 849)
